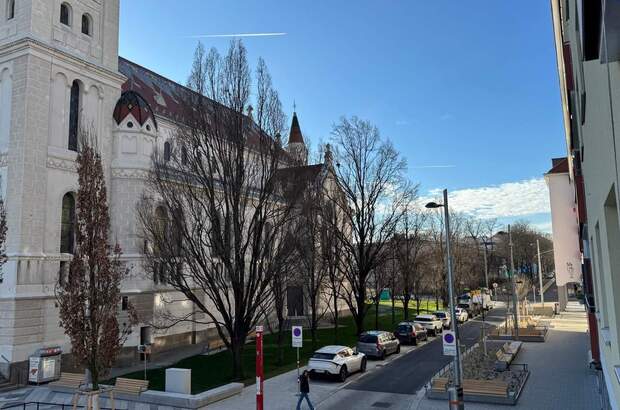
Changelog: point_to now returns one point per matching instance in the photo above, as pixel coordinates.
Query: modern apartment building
(587, 37)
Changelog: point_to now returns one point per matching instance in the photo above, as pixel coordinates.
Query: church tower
(296, 146)
(58, 73)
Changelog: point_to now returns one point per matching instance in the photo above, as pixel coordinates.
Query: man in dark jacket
(304, 389)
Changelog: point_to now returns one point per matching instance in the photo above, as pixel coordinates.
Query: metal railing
(31, 405)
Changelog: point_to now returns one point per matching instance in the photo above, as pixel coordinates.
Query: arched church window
(184, 155)
(87, 24)
(167, 151)
(65, 14)
(67, 227)
(74, 112)
(10, 9)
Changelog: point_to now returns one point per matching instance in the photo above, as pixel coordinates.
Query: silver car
(378, 343)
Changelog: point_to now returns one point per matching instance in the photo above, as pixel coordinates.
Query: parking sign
(449, 343)
(297, 336)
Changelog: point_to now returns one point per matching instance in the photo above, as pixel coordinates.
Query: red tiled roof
(560, 166)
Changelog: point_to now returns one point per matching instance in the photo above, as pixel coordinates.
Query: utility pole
(540, 273)
(455, 390)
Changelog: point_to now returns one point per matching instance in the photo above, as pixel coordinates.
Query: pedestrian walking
(304, 390)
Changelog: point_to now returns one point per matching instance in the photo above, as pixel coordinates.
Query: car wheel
(398, 349)
(440, 330)
(343, 373)
(382, 356)
(363, 365)
(415, 341)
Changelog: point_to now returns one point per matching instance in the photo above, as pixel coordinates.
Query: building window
(125, 303)
(74, 111)
(184, 156)
(67, 228)
(10, 9)
(87, 25)
(65, 14)
(167, 151)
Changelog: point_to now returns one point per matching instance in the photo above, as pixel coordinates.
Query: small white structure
(179, 381)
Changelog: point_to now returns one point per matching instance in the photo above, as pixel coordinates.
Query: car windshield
(463, 305)
(404, 328)
(440, 315)
(368, 338)
(325, 356)
(423, 319)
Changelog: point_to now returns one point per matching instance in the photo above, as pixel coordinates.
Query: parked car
(378, 343)
(445, 318)
(461, 315)
(337, 361)
(410, 333)
(431, 323)
(471, 308)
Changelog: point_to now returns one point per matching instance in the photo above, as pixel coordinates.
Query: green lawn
(215, 370)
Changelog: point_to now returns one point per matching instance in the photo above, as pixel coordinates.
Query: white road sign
(449, 343)
(297, 333)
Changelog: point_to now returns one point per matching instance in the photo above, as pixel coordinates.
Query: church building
(60, 70)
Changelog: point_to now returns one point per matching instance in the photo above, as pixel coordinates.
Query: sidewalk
(559, 373)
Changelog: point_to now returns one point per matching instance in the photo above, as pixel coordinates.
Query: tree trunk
(377, 314)
(280, 341)
(237, 359)
(393, 309)
(335, 319)
(417, 302)
(313, 326)
(406, 306)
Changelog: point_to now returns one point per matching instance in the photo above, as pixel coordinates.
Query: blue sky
(467, 84)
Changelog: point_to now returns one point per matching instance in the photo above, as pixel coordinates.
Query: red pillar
(259, 368)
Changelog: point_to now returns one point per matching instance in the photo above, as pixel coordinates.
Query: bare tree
(408, 243)
(333, 221)
(313, 271)
(227, 235)
(371, 177)
(90, 297)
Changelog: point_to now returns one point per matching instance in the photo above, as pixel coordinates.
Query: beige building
(587, 37)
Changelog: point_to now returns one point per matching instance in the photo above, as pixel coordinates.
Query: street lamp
(512, 281)
(455, 390)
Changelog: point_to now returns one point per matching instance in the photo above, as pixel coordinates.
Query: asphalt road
(409, 374)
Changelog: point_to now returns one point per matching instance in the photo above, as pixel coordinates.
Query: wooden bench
(503, 360)
(130, 386)
(477, 387)
(69, 380)
(512, 347)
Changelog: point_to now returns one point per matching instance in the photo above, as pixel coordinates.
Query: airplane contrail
(239, 35)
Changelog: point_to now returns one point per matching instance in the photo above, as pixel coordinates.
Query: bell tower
(58, 74)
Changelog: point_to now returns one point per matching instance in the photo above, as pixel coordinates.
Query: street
(394, 384)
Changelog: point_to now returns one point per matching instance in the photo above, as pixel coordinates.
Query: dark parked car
(377, 343)
(410, 333)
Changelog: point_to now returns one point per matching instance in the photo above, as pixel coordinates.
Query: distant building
(587, 39)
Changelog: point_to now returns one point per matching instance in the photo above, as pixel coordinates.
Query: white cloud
(239, 35)
(510, 199)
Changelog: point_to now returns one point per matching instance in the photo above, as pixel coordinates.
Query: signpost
(259, 368)
(449, 343)
(297, 338)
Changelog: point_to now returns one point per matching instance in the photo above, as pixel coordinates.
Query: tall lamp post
(455, 390)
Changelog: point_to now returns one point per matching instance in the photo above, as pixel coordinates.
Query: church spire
(296, 146)
(295, 136)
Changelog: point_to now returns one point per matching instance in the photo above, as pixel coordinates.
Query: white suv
(431, 323)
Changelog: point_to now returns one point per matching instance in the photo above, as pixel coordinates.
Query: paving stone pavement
(559, 374)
